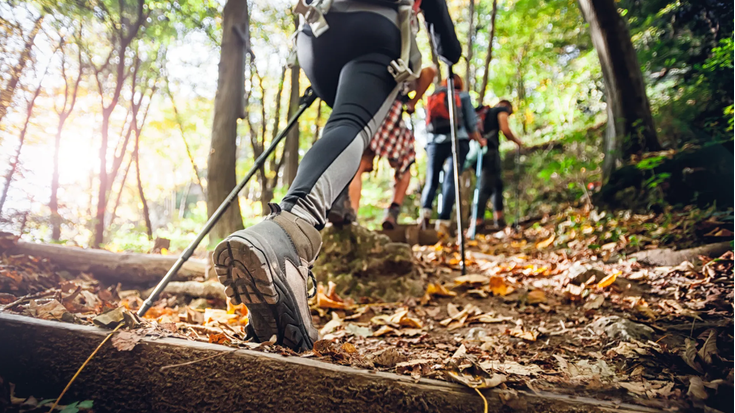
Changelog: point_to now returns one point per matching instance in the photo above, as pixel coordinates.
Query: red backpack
(437, 111)
(481, 113)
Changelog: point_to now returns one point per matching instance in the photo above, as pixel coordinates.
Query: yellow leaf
(536, 296)
(383, 331)
(607, 281)
(520, 332)
(545, 243)
(349, 348)
(164, 251)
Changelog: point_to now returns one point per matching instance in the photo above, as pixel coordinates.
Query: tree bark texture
(6, 95)
(489, 55)
(631, 125)
(229, 106)
(176, 375)
(469, 76)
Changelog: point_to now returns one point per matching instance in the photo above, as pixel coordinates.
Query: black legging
(347, 67)
(491, 182)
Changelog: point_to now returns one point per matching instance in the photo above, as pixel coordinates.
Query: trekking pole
(455, 158)
(517, 223)
(304, 102)
(476, 197)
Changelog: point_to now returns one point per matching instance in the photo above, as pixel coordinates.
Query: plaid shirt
(394, 141)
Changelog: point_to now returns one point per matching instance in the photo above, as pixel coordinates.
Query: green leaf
(87, 404)
(72, 408)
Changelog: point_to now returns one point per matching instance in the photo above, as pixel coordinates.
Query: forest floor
(564, 305)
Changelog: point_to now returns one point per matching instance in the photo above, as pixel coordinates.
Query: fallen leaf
(349, 348)
(214, 316)
(125, 340)
(383, 331)
(472, 279)
(709, 348)
(110, 318)
(331, 325)
(218, 338)
(574, 292)
(690, 355)
(51, 310)
(511, 367)
(489, 319)
(329, 299)
(521, 332)
(595, 303)
(536, 296)
(359, 331)
(696, 389)
(545, 243)
(607, 281)
(499, 287)
(388, 357)
(476, 381)
(452, 309)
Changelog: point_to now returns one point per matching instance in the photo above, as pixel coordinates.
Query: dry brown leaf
(545, 243)
(331, 325)
(696, 388)
(125, 340)
(477, 382)
(607, 281)
(690, 355)
(709, 348)
(595, 303)
(574, 292)
(218, 338)
(536, 296)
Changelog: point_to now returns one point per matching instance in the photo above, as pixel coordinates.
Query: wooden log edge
(40, 356)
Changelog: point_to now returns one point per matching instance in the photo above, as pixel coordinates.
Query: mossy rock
(363, 263)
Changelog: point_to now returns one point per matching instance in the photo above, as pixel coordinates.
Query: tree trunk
(489, 56)
(146, 213)
(631, 123)
(228, 107)
(119, 193)
(469, 77)
(291, 151)
(54, 201)
(21, 141)
(6, 95)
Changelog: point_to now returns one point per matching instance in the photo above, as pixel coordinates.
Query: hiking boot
(266, 267)
(500, 223)
(342, 213)
(391, 217)
(425, 219)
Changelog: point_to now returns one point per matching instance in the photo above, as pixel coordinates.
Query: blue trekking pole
(476, 197)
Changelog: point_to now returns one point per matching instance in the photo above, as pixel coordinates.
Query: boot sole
(249, 277)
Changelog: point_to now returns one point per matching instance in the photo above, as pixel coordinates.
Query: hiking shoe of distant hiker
(500, 224)
(425, 219)
(342, 213)
(391, 217)
(267, 267)
(442, 227)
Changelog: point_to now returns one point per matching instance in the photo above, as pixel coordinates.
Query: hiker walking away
(355, 54)
(493, 120)
(395, 142)
(439, 149)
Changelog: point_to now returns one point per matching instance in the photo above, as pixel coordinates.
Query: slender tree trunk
(292, 140)
(99, 224)
(228, 107)
(469, 76)
(631, 124)
(489, 56)
(180, 124)
(119, 193)
(6, 95)
(21, 141)
(54, 201)
(184, 197)
(146, 213)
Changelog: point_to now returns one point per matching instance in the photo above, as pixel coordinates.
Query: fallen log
(109, 266)
(212, 290)
(670, 258)
(173, 375)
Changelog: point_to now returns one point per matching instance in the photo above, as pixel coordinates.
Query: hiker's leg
(448, 187)
(401, 186)
(436, 154)
(366, 164)
(365, 93)
(487, 185)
